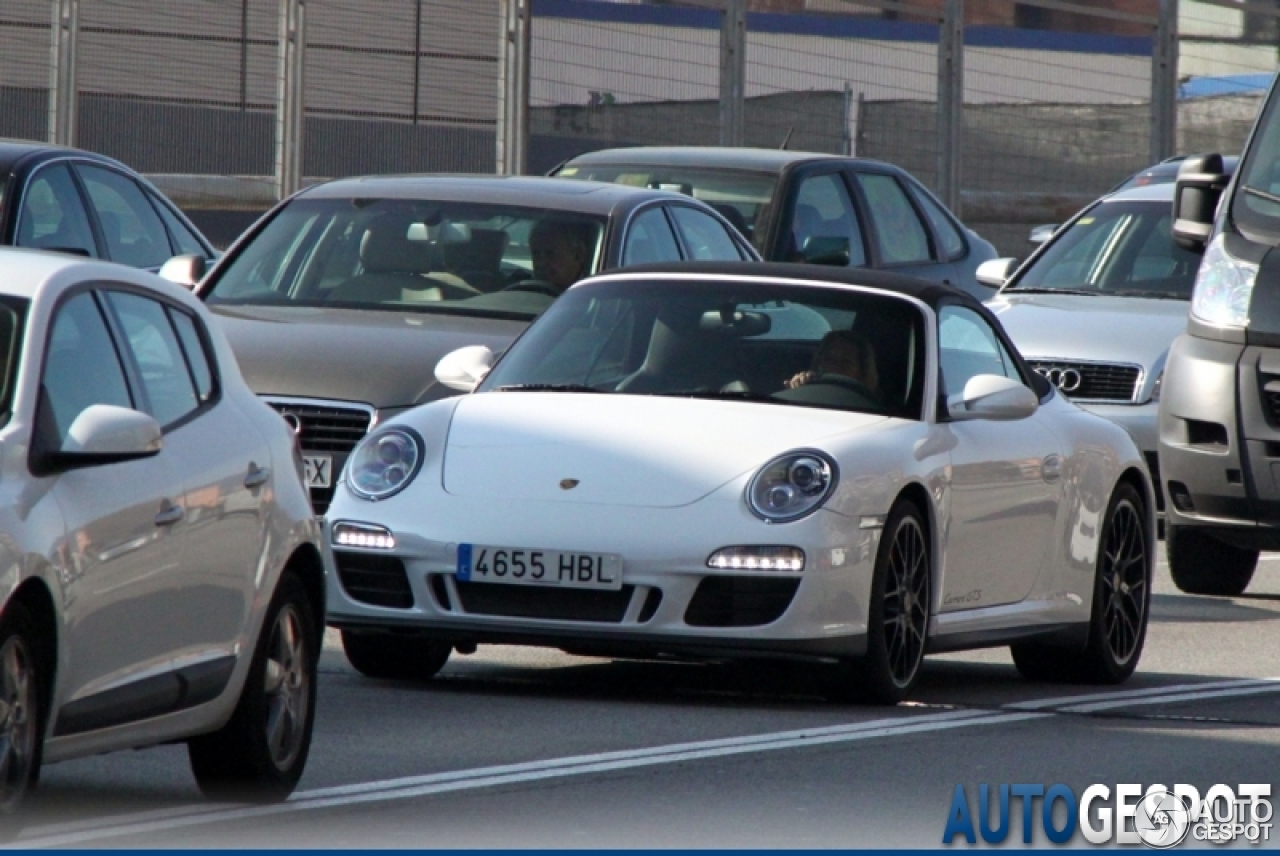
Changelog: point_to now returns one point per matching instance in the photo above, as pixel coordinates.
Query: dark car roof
(761, 160)
(927, 292)
(585, 197)
(12, 151)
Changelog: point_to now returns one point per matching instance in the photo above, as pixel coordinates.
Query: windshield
(1116, 248)
(410, 255)
(739, 196)
(1259, 210)
(784, 345)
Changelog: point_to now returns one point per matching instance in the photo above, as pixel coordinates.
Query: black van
(1220, 396)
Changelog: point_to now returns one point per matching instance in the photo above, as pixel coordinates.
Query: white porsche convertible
(743, 461)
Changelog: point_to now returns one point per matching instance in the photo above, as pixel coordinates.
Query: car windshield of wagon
(740, 196)
(1121, 249)
(780, 344)
(401, 255)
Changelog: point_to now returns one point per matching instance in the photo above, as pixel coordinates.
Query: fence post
(62, 72)
(733, 73)
(513, 87)
(950, 102)
(1164, 82)
(289, 96)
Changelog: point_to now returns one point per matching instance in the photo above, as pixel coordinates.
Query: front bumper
(670, 601)
(1219, 440)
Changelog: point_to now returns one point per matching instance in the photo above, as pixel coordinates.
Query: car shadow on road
(1183, 608)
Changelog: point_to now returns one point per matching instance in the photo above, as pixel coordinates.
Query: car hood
(1084, 327)
(386, 359)
(628, 450)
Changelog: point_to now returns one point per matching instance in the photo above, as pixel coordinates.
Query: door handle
(170, 513)
(1051, 468)
(257, 476)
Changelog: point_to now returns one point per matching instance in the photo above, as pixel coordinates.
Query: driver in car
(561, 251)
(842, 354)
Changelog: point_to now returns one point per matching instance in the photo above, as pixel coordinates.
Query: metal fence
(1012, 111)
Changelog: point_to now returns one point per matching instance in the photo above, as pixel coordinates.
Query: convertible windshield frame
(403, 255)
(742, 340)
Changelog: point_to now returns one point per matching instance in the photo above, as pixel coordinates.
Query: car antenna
(787, 138)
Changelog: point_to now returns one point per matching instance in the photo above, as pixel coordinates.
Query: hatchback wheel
(261, 751)
(395, 657)
(20, 714)
(1121, 598)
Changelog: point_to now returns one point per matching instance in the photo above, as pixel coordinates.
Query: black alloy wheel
(898, 622)
(20, 716)
(1121, 603)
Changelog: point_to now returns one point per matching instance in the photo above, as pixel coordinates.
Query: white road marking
(141, 823)
(485, 777)
(1121, 695)
(1174, 697)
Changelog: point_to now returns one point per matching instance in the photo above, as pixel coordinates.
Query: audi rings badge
(1066, 380)
(294, 421)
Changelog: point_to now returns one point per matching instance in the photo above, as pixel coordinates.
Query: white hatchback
(159, 566)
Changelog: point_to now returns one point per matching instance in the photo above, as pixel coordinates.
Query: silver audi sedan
(160, 577)
(1097, 307)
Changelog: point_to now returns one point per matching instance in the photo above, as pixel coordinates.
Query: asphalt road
(515, 747)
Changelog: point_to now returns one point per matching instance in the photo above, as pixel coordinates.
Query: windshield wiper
(547, 387)
(1261, 194)
(1031, 289)
(731, 395)
(1156, 295)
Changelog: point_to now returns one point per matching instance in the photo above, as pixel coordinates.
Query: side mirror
(185, 270)
(830, 250)
(992, 397)
(464, 368)
(1201, 180)
(995, 272)
(104, 434)
(1040, 234)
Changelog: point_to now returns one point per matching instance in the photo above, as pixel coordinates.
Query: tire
(260, 753)
(21, 716)
(898, 619)
(1120, 609)
(1201, 564)
(394, 657)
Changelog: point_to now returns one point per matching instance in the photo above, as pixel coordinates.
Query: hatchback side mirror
(994, 273)
(1201, 180)
(464, 368)
(992, 397)
(185, 270)
(103, 434)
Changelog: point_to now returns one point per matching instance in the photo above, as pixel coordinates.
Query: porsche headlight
(384, 463)
(1224, 286)
(791, 486)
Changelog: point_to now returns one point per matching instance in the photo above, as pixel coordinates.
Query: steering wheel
(538, 286)
(851, 384)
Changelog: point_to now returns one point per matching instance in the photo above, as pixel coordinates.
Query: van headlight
(791, 486)
(384, 463)
(1224, 286)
